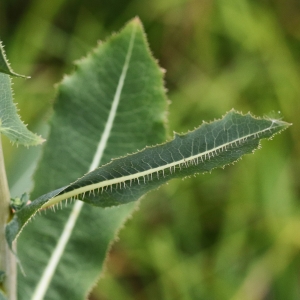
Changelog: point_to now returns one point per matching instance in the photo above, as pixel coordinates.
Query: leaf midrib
(49, 271)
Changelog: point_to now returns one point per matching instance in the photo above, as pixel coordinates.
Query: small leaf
(19, 202)
(10, 122)
(212, 145)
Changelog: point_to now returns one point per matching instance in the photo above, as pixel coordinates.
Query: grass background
(233, 234)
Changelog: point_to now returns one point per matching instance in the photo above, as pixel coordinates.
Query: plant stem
(7, 258)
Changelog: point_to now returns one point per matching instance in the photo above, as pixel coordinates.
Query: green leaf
(112, 105)
(4, 64)
(10, 122)
(212, 145)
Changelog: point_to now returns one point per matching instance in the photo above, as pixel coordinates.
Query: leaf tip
(40, 140)
(136, 20)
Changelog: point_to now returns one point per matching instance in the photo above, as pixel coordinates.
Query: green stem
(7, 258)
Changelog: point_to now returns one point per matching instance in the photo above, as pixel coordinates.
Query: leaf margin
(11, 124)
(12, 231)
(5, 65)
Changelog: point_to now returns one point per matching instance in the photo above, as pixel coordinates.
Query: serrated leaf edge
(7, 64)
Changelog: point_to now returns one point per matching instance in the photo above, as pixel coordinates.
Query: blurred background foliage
(234, 234)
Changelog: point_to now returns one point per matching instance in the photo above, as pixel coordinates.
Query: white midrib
(57, 253)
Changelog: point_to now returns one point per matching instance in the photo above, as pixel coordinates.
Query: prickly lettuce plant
(106, 149)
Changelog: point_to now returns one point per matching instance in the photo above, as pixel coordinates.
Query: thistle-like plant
(106, 149)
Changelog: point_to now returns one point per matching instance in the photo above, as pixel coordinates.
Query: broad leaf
(126, 179)
(112, 105)
(10, 122)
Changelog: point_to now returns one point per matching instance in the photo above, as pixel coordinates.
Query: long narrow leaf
(126, 179)
(210, 146)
